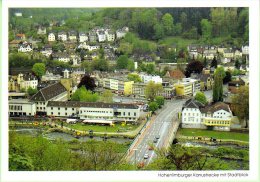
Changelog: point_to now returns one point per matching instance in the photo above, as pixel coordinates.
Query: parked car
(146, 156)
(155, 140)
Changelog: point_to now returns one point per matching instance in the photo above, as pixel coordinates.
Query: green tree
(206, 29)
(31, 91)
(237, 64)
(227, 78)
(214, 63)
(130, 65)
(241, 105)
(159, 31)
(153, 106)
(122, 62)
(39, 69)
(134, 77)
(167, 22)
(152, 89)
(219, 74)
(159, 100)
(107, 96)
(200, 96)
(84, 95)
(150, 68)
(125, 48)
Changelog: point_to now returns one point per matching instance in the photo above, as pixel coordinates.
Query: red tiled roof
(176, 74)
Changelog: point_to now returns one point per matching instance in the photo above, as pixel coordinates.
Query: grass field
(179, 41)
(214, 134)
(100, 128)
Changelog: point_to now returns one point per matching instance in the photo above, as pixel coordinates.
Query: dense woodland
(225, 25)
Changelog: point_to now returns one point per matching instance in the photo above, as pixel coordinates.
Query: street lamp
(135, 155)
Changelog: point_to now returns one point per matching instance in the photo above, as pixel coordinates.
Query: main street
(162, 125)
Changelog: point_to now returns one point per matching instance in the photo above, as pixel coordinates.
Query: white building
(62, 36)
(110, 36)
(50, 77)
(88, 47)
(72, 35)
(54, 92)
(25, 47)
(195, 84)
(21, 107)
(26, 81)
(196, 115)
(147, 78)
(102, 111)
(245, 50)
(83, 37)
(51, 37)
(101, 36)
(41, 30)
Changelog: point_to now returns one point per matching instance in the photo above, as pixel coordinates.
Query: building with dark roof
(53, 92)
(216, 116)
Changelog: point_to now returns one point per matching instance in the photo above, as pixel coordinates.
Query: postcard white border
(132, 175)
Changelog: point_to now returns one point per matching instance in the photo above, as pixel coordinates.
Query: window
(51, 113)
(58, 108)
(65, 108)
(51, 108)
(128, 113)
(72, 109)
(124, 113)
(134, 113)
(66, 114)
(58, 113)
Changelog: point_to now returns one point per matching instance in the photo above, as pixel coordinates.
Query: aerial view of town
(128, 89)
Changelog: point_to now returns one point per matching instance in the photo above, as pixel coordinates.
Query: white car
(146, 156)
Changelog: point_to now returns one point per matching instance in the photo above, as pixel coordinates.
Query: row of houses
(209, 52)
(100, 35)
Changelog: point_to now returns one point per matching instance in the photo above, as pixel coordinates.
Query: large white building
(147, 78)
(100, 111)
(110, 35)
(196, 115)
(21, 107)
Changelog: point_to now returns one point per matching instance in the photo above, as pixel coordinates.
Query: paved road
(162, 125)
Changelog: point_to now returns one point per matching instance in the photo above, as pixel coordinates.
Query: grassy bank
(215, 134)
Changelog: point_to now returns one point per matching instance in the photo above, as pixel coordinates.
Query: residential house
(51, 37)
(49, 76)
(61, 56)
(233, 86)
(110, 35)
(228, 53)
(18, 14)
(12, 84)
(83, 37)
(176, 74)
(92, 36)
(245, 50)
(41, 30)
(20, 37)
(54, 92)
(26, 81)
(120, 33)
(47, 50)
(25, 47)
(206, 82)
(101, 36)
(72, 35)
(62, 36)
(196, 115)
